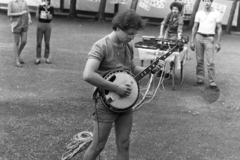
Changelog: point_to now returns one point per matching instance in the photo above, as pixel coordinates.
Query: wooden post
(61, 5)
(238, 20)
(134, 5)
(116, 8)
(230, 20)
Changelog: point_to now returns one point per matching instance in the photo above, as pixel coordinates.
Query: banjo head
(112, 100)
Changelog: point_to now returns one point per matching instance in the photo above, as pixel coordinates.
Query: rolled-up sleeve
(166, 20)
(180, 25)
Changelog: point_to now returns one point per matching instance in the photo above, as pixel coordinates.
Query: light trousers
(205, 49)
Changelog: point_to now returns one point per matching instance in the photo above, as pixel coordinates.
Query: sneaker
(48, 61)
(214, 88)
(198, 83)
(37, 62)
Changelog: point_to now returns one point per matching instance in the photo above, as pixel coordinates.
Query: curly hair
(128, 20)
(176, 4)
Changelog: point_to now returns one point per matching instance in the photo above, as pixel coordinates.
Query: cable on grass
(79, 143)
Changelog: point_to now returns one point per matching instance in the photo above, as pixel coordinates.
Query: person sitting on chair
(174, 23)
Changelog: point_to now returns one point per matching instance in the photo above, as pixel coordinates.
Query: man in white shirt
(207, 23)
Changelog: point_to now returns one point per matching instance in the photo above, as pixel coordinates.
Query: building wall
(159, 9)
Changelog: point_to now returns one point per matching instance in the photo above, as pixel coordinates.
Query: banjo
(116, 103)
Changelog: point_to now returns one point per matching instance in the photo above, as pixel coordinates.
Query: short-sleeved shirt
(174, 24)
(207, 22)
(110, 56)
(17, 6)
(42, 14)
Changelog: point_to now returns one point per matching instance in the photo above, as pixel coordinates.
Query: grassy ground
(42, 107)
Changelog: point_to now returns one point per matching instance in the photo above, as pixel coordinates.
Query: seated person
(174, 23)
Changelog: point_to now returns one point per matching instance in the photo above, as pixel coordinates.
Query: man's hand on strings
(123, 90)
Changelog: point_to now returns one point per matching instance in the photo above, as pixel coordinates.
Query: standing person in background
(20, 19)
(174, 23)
(207, 22)
(44, 16)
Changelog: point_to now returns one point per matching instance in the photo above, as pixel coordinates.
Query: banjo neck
(147, 70)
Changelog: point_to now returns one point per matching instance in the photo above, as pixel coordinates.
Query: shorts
(103, 114)
(19, 30)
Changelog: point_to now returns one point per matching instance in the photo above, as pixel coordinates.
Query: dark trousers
(43, 30)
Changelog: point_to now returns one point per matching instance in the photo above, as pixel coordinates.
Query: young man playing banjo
(113, 52)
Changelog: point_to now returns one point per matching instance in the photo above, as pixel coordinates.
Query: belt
(206, 35)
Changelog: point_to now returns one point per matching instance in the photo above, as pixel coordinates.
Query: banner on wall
(145, 4)
(188, 6)
(158, 3)
(118, 1)
(220, 7)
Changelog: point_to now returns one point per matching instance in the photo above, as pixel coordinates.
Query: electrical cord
(141, 102)
(79, 143)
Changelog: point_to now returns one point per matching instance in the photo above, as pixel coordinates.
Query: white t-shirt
(207, 22)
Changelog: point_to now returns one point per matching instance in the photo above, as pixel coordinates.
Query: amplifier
(151, 42)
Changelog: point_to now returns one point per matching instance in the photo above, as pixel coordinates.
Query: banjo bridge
(110, 99)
